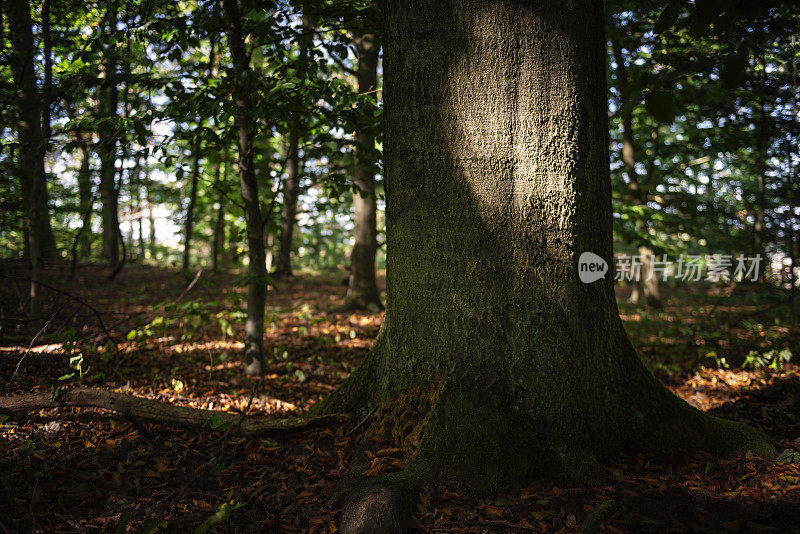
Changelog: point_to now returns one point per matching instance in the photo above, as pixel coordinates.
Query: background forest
(183, 182)
(138, 131)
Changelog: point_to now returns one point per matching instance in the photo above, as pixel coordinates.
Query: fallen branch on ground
(154, 411)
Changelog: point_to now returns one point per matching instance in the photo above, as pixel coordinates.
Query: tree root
(381, 505)
(154, 411)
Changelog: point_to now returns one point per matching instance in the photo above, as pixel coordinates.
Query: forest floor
(87, 470)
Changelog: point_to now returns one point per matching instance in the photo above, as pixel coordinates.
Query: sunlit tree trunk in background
(760, 117)
(136, 193)
(291, 189)
(48, 242)
(85, 195)
(291, 186)
(107, 99)
(220, 178)
(362, 292)
(246, 128)
(647, 286)
(151, 219)
(188, 224)
(495, 363)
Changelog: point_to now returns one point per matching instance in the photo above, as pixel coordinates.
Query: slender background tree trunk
(32, 135)
(291, 188)
(188, 223)
(245, 126)
(647, 284)
(32, 144)
(218, 244)
(107, 98)
(362, 291)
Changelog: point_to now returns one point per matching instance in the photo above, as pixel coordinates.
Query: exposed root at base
(381, 505)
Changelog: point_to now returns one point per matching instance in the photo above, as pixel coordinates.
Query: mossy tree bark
(362, 292)
(495, 363)
(246, 128)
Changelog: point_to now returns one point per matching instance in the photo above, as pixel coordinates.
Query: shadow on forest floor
(88, 470)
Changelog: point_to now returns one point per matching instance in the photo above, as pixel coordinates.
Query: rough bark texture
(154, 411)
(291, 188)
(257, 271)
(362, 291)
(495, 363)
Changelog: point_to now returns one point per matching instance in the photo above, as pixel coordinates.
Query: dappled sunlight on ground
(84, 469)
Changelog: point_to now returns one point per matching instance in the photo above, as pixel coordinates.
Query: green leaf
(660, 104)
(788, 456)
(131, 335)
(177, 385)
(216, 421)
(222, 514)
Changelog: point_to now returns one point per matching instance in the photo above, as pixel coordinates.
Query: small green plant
(76, 362)
(788, 456)
(772, 359)
(719, 361)
(223, 514)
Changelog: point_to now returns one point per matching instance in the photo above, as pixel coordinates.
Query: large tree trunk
(31, 112)
(107, 98)
(291, 188)
(495, 362)
(362, 292)
(257, 283)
